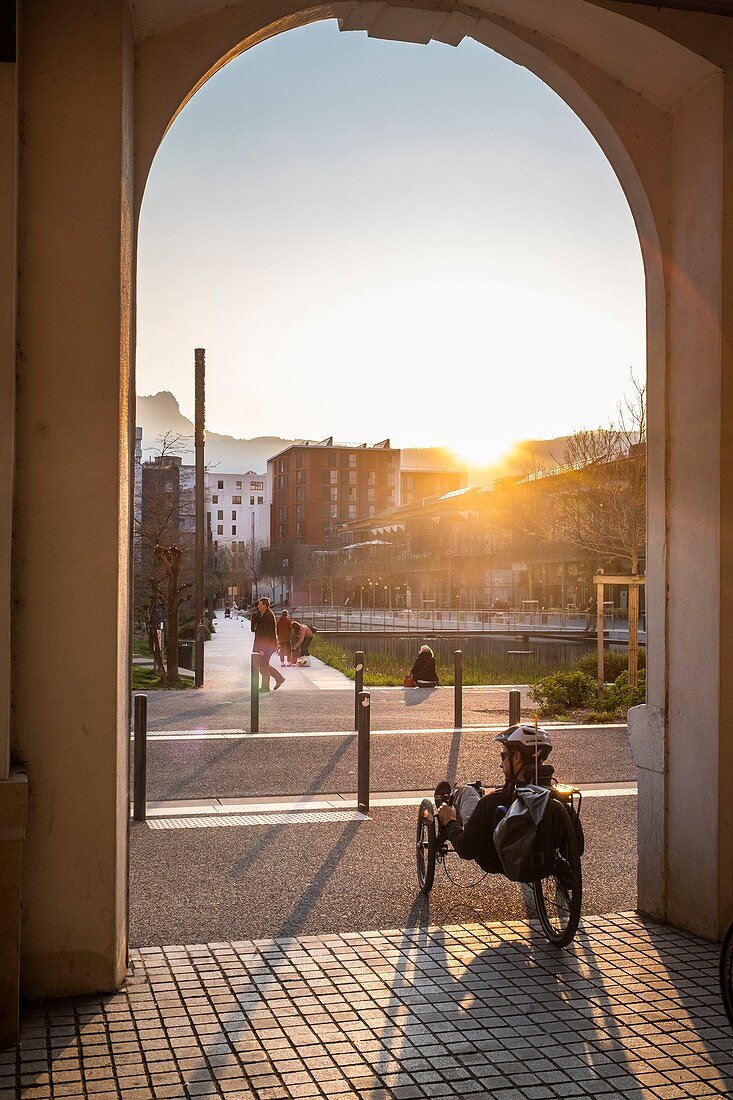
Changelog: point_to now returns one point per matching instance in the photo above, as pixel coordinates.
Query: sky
(376, 239)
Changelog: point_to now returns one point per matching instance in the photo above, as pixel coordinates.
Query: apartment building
(422, 483)
(238, 510)
(316, 486)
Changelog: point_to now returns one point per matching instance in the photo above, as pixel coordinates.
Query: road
(248, 880)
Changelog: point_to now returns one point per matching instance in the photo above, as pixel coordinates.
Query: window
(234, 529)
(352, 477)
(352, 460)
(300, 511)
(352, 511)
(220, 529)
(256, 485)
(234, 514)
(259, 500)
(334, 494)
(371, 494)
(214, 499)
(220, 485)
(333, 476)
(282, 531)
(283, 482)
(220, 515)
(351, 494)
(300, 530)
(238, 485)
(372, 479)
(251, 500)
(372, 510)
(300, 477)
(236, 500)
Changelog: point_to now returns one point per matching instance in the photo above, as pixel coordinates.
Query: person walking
(284, 625)
(264, 627)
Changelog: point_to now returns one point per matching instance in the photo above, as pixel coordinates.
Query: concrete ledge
(13, 820)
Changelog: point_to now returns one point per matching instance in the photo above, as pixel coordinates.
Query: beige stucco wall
(94, 110)
(70, 609)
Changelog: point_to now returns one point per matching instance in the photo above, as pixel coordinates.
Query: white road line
(327, 804)
(242, 734)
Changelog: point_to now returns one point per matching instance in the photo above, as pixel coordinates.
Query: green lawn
(384, 670)
(146, 679)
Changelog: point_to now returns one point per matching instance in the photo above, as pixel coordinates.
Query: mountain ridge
(159, 414)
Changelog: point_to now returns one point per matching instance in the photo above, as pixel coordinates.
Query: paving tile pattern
(631, 1010)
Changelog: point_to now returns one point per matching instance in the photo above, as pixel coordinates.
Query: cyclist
(467, 820)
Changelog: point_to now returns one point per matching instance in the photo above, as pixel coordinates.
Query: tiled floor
(631, 1010)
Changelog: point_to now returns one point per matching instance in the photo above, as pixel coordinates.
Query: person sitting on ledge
(424, 672)
(468, 820)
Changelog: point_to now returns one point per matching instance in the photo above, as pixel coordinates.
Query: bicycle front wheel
(559, 896)
(726, 973)
(426, 846)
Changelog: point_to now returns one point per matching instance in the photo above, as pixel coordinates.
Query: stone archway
(652, 87)
(597, 61)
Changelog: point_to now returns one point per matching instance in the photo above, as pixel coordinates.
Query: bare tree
(596, 498)
(164, 549)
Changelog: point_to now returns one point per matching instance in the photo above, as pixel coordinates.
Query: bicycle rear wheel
(726, 973)
(559, 896)
(426, 846)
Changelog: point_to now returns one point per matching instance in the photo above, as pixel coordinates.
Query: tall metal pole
(358, 683)
(363, 738)
(140, 758)
(600, 624)
(633, 633)
(458, 690)
(200, 572)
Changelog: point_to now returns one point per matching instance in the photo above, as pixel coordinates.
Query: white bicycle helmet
(532, 739)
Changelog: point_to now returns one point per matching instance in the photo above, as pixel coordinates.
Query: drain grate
(298, 817)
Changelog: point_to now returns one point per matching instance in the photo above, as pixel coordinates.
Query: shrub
(619, 697)
(563, 691)
(187, 630)
(614, 663)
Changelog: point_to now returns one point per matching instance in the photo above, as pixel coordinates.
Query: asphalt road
(399, 762)
(252, 881)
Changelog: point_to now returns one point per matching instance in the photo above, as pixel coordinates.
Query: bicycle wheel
(426, 846)
(560, 895)
(726, 973)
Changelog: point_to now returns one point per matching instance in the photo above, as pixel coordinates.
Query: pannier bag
(409, 681)
(522, 837)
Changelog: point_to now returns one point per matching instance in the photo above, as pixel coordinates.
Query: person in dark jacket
(424, 672)
(264, 627)
(468, 820)
(284, 625)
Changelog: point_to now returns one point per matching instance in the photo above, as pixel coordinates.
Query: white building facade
(238, 510)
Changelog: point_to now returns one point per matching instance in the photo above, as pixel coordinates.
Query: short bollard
(458, 690)
(364, 732)
(358, 684)
(140, 764)
(515, 707)
(254, 694)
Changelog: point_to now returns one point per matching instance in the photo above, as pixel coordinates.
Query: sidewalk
(630, 1010)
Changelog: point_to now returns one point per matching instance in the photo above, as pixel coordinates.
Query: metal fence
(402, 621)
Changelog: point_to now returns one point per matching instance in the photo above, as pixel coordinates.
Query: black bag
(523, 836)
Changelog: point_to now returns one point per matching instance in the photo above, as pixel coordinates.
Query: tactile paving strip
(298, 817)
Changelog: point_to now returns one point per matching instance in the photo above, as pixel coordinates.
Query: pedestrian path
(630, 1010)
(227, 663)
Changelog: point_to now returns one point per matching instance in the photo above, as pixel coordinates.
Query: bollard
(140, 758)
(254, 694)
(515, 707)
(364, 733)
(358, 684)
(458, 690)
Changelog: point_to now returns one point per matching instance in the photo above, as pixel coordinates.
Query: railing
(403, 621)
